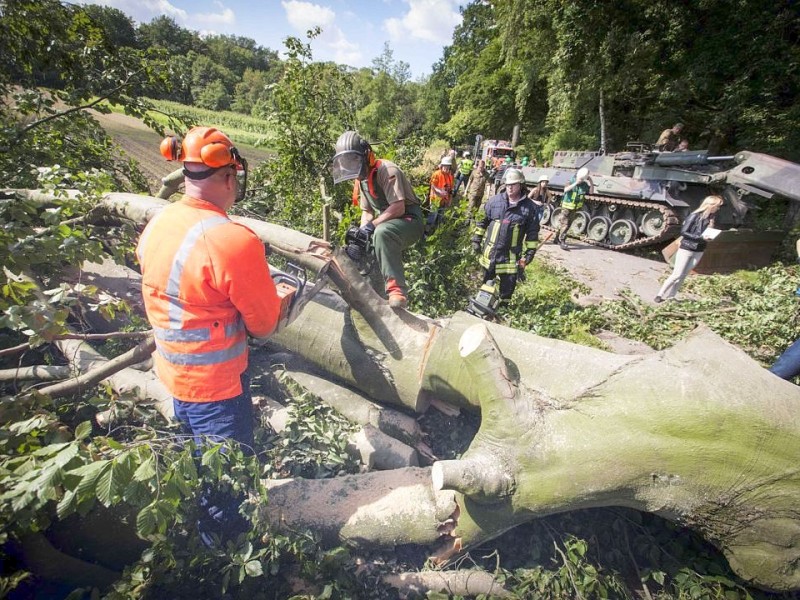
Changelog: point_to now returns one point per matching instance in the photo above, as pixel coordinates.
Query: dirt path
(605, 272)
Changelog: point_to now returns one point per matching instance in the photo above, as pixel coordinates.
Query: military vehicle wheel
(555, 218)
(622, 231)
(652, 223)
(547, 211)
(598, 228)
(579, 223)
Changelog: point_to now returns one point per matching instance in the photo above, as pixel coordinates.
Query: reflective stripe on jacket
(502, 231)
(206, 283)
(573, 199)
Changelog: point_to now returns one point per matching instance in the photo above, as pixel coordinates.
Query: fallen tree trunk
(699, 434)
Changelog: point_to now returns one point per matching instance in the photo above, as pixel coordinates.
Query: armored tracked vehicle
(641, 197)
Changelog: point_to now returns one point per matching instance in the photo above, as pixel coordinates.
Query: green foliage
(314, 444)
(46, 239)
(441, 269)
(243, 129)
(48, 43)
(53, 466)
(310, 110)
(755, 310)
(543, 305)
(575, 577)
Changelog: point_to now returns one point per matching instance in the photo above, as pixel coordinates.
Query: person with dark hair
(390, 211)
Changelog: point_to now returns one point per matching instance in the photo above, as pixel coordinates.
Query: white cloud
(307, 15)
(144, 11)
(332, 43)
(429, 20)
(225, 16)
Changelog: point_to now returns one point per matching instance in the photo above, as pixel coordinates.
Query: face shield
(241, 174)
(347, 165)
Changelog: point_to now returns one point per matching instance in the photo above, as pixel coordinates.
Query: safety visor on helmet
(349, 164)
(242, 171)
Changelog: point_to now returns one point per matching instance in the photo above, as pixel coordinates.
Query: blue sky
(354, 31)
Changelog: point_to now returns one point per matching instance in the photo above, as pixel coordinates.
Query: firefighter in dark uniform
(508, 234)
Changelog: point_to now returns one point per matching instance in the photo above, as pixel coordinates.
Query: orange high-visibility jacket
(206, 284)
(441, 188)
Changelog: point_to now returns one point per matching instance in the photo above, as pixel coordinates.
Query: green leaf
(83, 430)
(66, 506)
(146, 470)
(254, 568)
(147, 521)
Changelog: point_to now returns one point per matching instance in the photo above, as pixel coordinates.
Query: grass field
(142, 143)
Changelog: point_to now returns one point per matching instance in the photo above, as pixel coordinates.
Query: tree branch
(96, 375)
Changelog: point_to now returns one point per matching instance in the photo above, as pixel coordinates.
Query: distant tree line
(729, 71)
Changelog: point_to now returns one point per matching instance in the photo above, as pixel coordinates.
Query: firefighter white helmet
(514, 176)
(466, 153)
(583, 173)
(447, 161)
(544, 178)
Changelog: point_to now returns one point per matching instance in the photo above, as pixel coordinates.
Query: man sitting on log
(390, 211)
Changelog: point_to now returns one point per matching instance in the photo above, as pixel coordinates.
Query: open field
(141, 143)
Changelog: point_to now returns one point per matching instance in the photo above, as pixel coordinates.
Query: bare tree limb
(94, 376)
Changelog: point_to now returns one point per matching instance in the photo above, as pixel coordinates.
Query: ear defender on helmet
(171, 148)
(216, 155)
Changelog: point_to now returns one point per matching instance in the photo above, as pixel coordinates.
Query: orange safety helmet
(206, 145)
(210, 147)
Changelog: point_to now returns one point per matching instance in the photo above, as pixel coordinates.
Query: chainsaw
(295, 291)
(485, 302)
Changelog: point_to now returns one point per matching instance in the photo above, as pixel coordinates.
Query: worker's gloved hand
(368, 228)
(476, 247)
(522, 263)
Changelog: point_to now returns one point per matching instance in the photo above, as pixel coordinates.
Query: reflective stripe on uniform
(182, 335)
(531, 244)
(212, 357)
(172, 291)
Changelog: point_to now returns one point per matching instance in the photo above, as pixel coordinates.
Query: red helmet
(205, 145)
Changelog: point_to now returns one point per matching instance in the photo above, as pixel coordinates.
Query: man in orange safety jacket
(206, 285)
(441, 193)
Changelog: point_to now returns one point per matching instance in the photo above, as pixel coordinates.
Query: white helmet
(514, 176)
(447, 160)
(544, 178)
(583, 173)
(466, 153)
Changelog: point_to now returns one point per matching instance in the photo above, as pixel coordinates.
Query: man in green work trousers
(390, 211)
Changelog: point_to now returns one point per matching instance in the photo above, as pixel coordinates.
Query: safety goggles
(347, 165)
